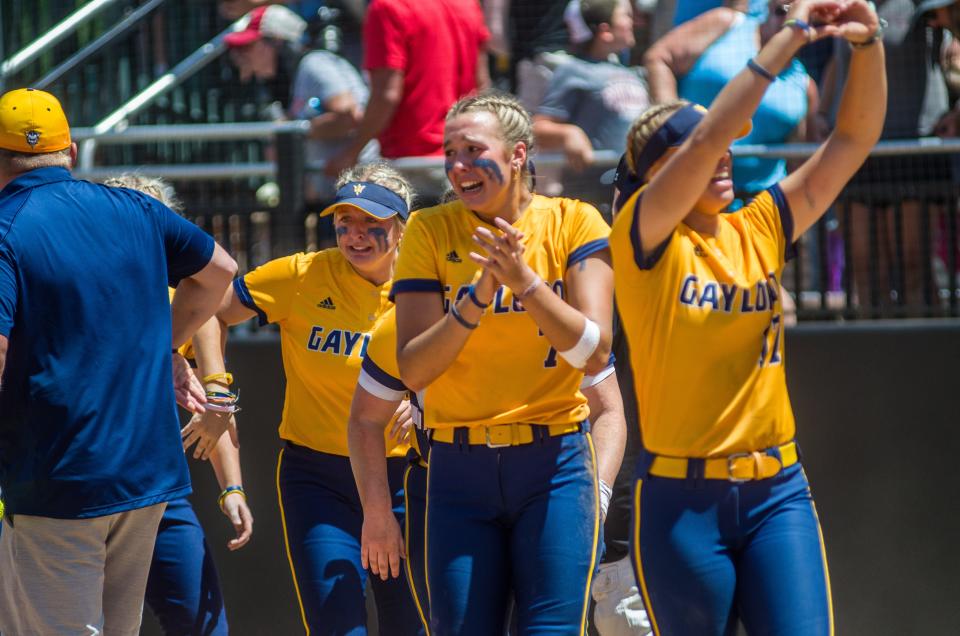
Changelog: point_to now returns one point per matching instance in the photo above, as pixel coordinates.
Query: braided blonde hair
(515, 122)
(151, 186)
(381, 173)
(645, 125)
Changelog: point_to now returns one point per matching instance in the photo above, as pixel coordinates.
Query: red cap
(274, 21)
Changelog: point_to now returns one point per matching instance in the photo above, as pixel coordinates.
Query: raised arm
(816, 183)
(585, 315)
(673, 55)
(677, 186)
(428, 340)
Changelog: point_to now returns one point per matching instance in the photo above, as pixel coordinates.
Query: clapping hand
(504, 258)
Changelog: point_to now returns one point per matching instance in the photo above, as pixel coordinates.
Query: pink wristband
(532, 287)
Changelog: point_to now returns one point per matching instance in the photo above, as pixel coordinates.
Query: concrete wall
(877, 410)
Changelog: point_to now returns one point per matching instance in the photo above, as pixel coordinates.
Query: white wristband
(606, 492)
(579, 353)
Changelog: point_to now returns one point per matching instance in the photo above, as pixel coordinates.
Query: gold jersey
(704, 322)
(325, 311)
(507, 372)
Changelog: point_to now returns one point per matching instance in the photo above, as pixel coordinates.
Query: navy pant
(322, 519)
(523, 519)
(414, 533)
(183, 589)
(712, 552)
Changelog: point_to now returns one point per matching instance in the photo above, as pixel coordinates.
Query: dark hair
(597, 12)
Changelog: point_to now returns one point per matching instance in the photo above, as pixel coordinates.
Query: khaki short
(76, 576)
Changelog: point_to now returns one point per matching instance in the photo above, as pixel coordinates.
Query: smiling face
(368, 243)
(478, 163)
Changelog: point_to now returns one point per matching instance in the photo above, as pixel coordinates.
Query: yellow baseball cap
(32, 121)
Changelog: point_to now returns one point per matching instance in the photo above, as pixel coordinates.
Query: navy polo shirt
(88, 421)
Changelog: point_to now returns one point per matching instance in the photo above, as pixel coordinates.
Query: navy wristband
(463, 321)
(799, 25)
(472, 293)
(759, 70)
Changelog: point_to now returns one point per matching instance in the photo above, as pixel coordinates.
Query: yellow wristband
(229, 490)
(220, 378)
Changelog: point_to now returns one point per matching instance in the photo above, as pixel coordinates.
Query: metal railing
(64, 28)
(108, 37)
(825, 278)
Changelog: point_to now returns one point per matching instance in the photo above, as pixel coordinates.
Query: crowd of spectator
(585, 69)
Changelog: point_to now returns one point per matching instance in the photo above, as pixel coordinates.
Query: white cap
(580, 33)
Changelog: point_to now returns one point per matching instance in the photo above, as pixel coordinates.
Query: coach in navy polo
(89, 440)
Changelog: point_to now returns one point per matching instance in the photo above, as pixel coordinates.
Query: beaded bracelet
(231, 489)
(472, 294)
(463, 321)
(222, 401)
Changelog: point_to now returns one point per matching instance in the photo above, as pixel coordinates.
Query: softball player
(724, 522)
(512, 496)
(326, 303)
(378, 394)
(183, 589)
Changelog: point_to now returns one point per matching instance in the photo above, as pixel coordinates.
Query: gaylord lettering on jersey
(337, 341)
(501, 304)
(728, 298)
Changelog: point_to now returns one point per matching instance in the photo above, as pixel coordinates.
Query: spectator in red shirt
(422, 56)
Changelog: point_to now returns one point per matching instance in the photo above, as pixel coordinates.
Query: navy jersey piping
(586, 250)
(382, 376)
(415, 285)
(243, 294)
(644, 262)
(786, 220)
